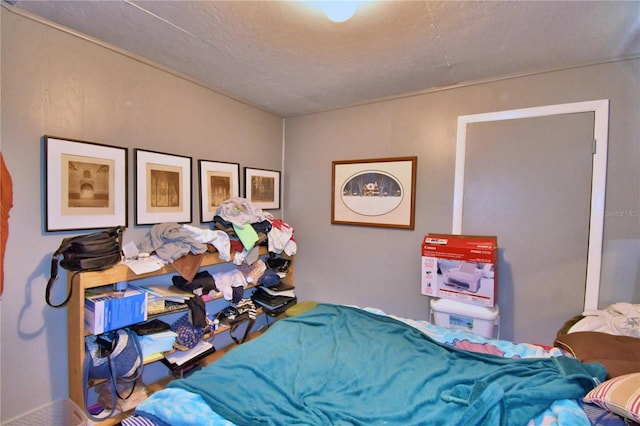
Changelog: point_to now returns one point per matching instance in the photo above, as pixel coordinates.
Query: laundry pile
(249, 226)
(239, 229)
(621, 319)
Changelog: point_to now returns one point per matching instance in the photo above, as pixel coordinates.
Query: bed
(610, 336)
(345, 365)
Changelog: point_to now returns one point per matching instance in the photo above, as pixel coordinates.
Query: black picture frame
(262, 187)
(85, 184)
(217, 181)
(162, 187)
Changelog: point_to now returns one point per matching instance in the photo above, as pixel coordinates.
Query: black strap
(234, 326)
(114, 383)
(47, 295)
(85, 375)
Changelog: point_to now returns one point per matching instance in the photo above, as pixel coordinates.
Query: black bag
(91, 252)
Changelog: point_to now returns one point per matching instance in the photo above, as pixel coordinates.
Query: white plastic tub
(453, 314)
(58, 413)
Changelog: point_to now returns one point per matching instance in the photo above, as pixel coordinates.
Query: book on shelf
(279, 287)
(275, 310)
(171, 293)
(279, 290)
(269, 308)
(181, 358)
(161, 299)
(106, 309)
(264, 298)
(156, 356)
(157, 342)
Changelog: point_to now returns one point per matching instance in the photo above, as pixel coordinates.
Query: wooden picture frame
(217, 181)
(374, 192)
(162, 187)
(262, 188)
(85, 185)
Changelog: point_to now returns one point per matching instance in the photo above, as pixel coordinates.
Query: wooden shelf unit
(81, 281)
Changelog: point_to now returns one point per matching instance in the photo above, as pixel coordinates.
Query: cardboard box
(460, 267)
(106, 309)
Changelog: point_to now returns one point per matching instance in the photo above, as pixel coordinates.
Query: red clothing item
(6, 202)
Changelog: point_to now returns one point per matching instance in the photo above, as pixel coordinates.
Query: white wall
(381, 267)
(57, 84)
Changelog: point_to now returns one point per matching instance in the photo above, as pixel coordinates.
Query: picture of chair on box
(461, 275)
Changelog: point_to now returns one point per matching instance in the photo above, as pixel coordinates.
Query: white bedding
(622, 319)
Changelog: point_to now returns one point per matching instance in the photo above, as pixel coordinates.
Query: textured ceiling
(285, 57)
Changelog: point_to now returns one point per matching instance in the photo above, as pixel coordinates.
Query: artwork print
(372, 193)
(219, 189)
(89, 185)
(86, 185)
(262, 187)
(218, 181)
(163, 187)
(376, 192)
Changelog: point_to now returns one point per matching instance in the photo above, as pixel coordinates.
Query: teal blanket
(335, 365)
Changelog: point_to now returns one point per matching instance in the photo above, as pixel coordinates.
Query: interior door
(528, 181)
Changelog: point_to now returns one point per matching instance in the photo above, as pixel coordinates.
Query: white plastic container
(477, 319)
(58, 413)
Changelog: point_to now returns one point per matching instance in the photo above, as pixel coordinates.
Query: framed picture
(86, 185)
(376, 192)
(163, 187)
(218, 181)
(262, 188)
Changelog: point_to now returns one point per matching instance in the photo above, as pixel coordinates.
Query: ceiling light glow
(339, 11)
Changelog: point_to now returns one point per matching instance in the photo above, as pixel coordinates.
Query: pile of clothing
(240, 228)
(249, 226)
(622, 319)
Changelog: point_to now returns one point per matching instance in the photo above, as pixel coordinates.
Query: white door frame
(598, 183)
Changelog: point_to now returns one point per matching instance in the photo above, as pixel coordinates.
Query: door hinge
(595, 144)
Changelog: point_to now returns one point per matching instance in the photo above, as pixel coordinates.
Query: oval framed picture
(374, 192)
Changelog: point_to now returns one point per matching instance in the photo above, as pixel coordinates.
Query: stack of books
(182, 361)
(154, 345)
(155, 338)
(106, 309)
(160, 298)
(275, 299)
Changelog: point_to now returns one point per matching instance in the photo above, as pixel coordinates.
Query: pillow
(620, 395)
(568, 324)
(619, 354)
